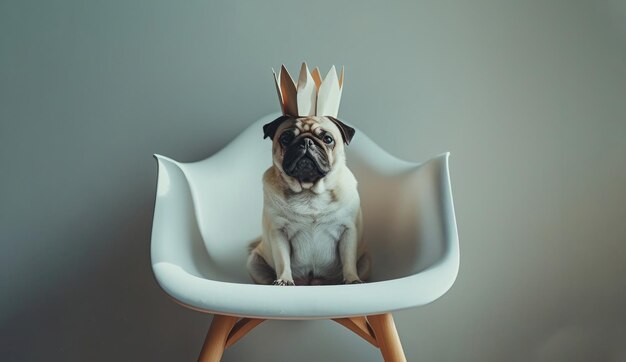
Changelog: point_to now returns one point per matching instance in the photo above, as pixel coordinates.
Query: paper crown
(312, 96)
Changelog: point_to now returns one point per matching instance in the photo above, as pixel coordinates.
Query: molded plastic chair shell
(208, 212)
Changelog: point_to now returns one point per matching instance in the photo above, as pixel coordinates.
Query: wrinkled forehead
(311, 124)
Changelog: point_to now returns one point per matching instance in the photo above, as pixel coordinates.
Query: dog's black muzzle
(306, 160)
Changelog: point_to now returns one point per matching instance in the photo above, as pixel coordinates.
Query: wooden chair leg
(387, 337)
(226, 331)
(215, 341)
(359, 326)
(242, 328)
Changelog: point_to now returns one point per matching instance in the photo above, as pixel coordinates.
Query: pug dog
(312, 223)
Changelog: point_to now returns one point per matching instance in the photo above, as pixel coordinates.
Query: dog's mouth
(307, 164)
(306, 170)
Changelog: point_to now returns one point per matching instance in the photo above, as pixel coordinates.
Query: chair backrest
(404, 216)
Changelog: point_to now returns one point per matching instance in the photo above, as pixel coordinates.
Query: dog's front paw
(283, 282)
(355, 281)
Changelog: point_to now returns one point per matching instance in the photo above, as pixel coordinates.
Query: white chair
(207, 213)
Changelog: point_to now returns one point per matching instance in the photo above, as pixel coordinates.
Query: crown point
(331, 71)
(329, 95)
(307, 93)
(304, 76)
(317, 78)
(288, 92)
(280, 96)
(341, 78)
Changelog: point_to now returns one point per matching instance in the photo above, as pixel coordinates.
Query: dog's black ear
(269, 130)
(347, 132)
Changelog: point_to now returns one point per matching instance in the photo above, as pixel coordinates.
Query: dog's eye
(286, 138)
(327, 139)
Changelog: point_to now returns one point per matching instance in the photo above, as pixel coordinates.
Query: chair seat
(208, 212)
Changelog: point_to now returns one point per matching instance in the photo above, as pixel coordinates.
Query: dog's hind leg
(259, 270)
(363, 267)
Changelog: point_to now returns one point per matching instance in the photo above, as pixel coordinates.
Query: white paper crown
(312, 96)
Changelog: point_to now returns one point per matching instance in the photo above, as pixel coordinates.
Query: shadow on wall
(111, 310)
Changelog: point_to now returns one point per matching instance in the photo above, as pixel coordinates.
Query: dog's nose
(306, 143)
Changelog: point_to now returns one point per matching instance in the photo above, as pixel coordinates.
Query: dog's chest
(314, 245)
(313, 230)
(311, 206)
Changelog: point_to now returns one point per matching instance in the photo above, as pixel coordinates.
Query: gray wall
(529, 96)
